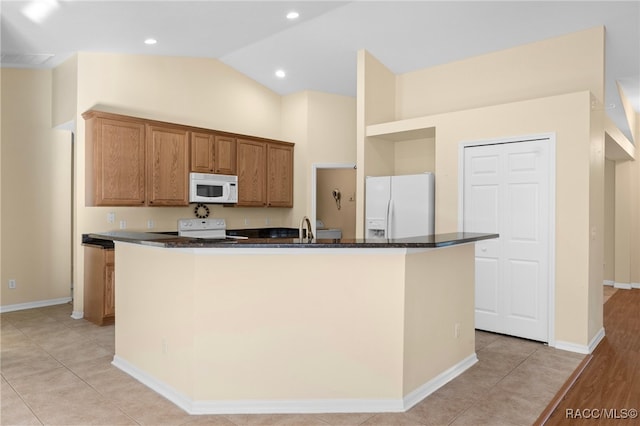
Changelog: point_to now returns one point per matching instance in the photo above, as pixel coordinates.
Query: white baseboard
(295, 406)
(623, 286)
(37, 304)
(635, 285)
(437, 382)
(608, 282)
(581, 349)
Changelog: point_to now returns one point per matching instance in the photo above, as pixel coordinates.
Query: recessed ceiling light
(293, 15)
(39, 10)
(281, 74)
(150, 41)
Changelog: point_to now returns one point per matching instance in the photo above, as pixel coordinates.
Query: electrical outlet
(165, 346)
(267, 221)
(456, 330)
(150, 224)
(111, 217)
(246, 221)
(12, 283)
(123, 224)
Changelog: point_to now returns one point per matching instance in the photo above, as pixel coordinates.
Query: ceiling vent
(24, 60)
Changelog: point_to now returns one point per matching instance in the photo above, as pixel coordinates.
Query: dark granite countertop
(97, 242)
(170, 240)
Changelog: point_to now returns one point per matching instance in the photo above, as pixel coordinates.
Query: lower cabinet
(99, 285)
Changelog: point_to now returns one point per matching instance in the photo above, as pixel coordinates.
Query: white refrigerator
(399, 206)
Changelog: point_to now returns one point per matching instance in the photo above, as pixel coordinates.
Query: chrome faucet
(309, 231)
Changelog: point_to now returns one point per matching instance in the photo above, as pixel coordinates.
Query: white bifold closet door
(506, 191)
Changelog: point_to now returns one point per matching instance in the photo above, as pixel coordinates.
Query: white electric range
(215, 229)
(202, 228)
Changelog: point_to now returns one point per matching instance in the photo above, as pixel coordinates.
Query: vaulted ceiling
(318, 49)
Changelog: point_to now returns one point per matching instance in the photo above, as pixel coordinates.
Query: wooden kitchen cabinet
(99, 285)
(265, 173)
(115, 150)
(225, 154)
(211, 153)
(252, 173)
(202, 152)
(279, 175)
(136, 162)
(167, 165)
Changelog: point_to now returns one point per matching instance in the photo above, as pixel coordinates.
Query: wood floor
(607, 392)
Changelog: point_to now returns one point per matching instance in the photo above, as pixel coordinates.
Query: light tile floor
(57, 371)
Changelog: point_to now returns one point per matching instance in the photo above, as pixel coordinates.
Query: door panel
(506, 191)
(523, 276)
(487, 290)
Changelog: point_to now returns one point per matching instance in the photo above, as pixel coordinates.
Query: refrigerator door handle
(389, 218)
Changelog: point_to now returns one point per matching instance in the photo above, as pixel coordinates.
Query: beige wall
(295, 124)
(64, 102)
(36, 192)
(624, 176)
(414, 156)
(454, 305)
(325, 128)
(516, 92)
(376, 94)
(609, 220)
(596, 219)
(635, 208)
(635, 223)
(565, 64)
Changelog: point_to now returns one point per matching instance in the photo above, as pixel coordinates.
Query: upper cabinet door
(118, 161)
(211, 153)
(225, 155)
(202, 152)
(167, 166)
(279, 175)
(252, 173)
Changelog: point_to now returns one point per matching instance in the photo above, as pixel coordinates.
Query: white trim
(387, 405)
(623, 286)
(635, 285)
(551, 137)
(582, 349)
(37, 304)
(77, 314)
(608, 282)
(437, 382)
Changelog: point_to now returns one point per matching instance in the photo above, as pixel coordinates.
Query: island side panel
(302, 326)
(439, 294)
(154, 313)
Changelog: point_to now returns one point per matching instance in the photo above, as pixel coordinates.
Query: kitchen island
(287, 325)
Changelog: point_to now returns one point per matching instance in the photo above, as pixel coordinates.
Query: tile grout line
(493, 386)
(26, 404)
(67, 368)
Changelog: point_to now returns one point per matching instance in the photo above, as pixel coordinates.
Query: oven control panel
(201, 224)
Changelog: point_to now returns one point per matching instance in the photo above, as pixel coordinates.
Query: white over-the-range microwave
(213, 188)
